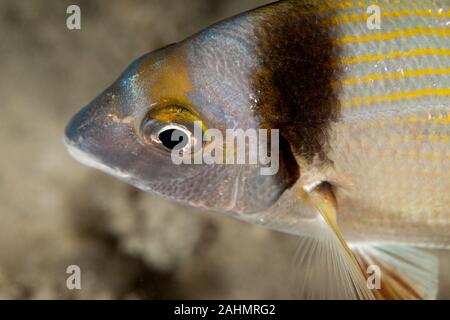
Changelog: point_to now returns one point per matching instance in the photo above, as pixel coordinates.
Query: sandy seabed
(54, 212)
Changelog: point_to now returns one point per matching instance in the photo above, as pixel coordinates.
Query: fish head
(204, 82)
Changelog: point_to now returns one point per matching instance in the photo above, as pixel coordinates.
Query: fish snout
(79, 135)
(85, 125)
(89, 135)
(74, 130)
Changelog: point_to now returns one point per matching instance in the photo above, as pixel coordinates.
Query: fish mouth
(91, 161)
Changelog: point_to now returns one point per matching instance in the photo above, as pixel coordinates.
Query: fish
(359, 94)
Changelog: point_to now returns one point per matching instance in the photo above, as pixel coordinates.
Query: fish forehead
(211, 72)
(223, 59)
(165, 74)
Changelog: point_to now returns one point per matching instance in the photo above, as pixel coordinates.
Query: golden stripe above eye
(395, 97)
(394, 55)
(397, 75)
(419, 31)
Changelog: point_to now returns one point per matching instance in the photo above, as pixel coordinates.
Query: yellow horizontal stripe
(416, 155)
(395, 54)
(422, 120)
(328, 6)
(394, 154)
(397, 139)
(438, 120)
(417, 172)
(429, 174)
(438, 32)
(392, 15)
(389, 76)
(379, 124)
(426, 173)
(424, 189)
(395, 97)
(419, 138)
(343, 5)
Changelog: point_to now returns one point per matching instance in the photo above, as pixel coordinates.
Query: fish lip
(91, 161)
(78, 154)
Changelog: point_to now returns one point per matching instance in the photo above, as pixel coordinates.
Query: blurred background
(55, 212)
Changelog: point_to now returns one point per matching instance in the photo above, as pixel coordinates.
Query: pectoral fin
(328, 269)
(405, 272)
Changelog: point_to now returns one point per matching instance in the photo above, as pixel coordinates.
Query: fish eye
(172, 126)
(170, 136)
(174, 138)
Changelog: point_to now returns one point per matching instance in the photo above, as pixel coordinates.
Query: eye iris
(173, 138)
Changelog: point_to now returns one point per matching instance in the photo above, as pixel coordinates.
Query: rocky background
(54, 212)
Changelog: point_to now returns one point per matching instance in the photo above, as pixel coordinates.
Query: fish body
(390, 147)
(360, 93)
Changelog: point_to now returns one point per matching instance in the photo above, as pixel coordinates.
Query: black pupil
(179, 140)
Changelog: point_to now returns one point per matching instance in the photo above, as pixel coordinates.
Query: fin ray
(330, 269)
(326, 271)
(406, 272)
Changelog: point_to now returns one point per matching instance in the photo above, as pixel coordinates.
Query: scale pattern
(390, 148)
